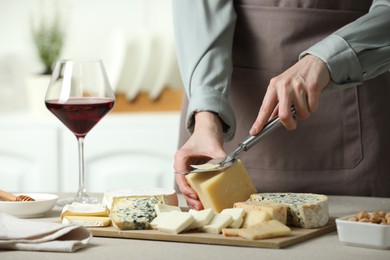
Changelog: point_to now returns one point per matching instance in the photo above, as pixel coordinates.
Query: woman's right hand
(205, 143)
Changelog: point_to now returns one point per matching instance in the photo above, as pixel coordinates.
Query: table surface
(324, 247)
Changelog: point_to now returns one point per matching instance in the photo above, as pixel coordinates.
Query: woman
(243, 62)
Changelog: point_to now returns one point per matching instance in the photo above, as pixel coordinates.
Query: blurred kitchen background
(134, 145)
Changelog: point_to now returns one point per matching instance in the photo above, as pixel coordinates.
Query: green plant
(49, 41)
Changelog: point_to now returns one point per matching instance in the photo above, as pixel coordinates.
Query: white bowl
(363, 234)
(29, 209)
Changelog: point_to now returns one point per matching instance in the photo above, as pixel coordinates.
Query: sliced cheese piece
(254, 217)
(173, 222)
(217, 223)
(133, 212)
(201, 218)
(305, 210)
(169, 196)
(268, 229)
(84, 209)
(237, 215)
(221, 189)
(161, 208)
(206, 166)
(277, 211)
(231, 232)
(87, 221)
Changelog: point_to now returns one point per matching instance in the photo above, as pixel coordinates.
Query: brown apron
(344, 147)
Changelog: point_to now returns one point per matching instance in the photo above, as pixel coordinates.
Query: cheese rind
(276, 211)
(87, 221)
(221, 189)
(268, 229)
(133, 212)
(84, 209)
(305, 210)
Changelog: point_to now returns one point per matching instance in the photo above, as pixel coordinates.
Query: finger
(184, 188)
(301, 103)
(193, 204)
(284, 110)
(266, 109)
(313, 98)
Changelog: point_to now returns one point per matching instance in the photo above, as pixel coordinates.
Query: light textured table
(325, 247)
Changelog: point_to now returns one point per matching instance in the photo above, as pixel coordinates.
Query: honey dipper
(6, 196)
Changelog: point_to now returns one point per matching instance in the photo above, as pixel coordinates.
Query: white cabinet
(122, 151)
(28, 154)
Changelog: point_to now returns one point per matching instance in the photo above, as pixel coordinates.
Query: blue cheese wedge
(305, 210)
(133, 212)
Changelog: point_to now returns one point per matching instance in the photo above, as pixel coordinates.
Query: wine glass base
(84, 200)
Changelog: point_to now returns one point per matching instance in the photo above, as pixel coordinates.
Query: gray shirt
(204, 33)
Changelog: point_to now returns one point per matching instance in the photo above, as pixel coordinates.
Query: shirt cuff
(211, 99)
(342, 62)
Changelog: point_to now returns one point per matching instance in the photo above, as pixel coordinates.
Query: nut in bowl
(353, 232)
(43, 203)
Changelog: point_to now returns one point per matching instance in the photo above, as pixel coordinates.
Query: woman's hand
(299, 86)
(205, 143)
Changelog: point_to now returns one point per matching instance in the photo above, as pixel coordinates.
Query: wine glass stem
(82, 193)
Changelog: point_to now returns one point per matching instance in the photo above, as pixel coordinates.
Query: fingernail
(253, 131)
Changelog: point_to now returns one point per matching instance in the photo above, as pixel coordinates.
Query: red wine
(80, 115)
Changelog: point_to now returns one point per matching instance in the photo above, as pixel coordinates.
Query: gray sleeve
(204, 33)
(360, 50)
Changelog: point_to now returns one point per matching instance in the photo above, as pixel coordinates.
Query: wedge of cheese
(162, 208)
(133, 212)
(276, 211)
(268, 229)
(305, 210)
(254, 217)
(221, 189)
(83, 209)
(87, 221)
(237, 215)
(201, 218)
(173, 222)
(168, 196)
(217, 223)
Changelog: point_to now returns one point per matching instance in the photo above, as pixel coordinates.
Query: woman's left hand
(299, 86)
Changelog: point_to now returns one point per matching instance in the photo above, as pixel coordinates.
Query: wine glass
(79, 95)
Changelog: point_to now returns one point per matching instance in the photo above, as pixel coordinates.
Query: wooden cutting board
(297, 235)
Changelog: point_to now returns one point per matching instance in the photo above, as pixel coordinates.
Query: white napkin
(31, 235)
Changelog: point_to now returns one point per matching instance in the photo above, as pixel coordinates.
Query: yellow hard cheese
(268, 229)
(276, 211)
(221, 189)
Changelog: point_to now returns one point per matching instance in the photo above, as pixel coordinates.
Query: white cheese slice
(202, 218)
(84, 209)
(218, 222)
(87, 221)
(173, 222)
(161, 208)
(237, 215)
